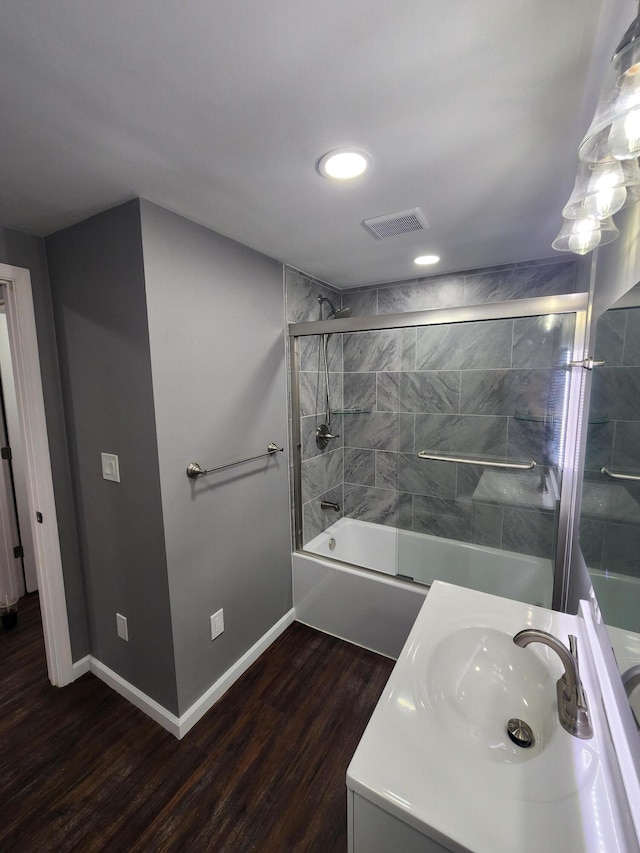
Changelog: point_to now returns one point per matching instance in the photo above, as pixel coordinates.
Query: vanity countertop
(436, 756)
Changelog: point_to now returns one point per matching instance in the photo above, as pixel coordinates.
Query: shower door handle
(588, 363)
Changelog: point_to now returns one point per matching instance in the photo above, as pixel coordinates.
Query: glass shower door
(484, 413)
(349, 439)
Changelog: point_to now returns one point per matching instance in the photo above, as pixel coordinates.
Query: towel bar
(194, 470)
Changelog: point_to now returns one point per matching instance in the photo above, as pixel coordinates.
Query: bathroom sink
(436, 754)
(476, 680)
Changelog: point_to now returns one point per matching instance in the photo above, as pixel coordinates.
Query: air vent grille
(394, 224)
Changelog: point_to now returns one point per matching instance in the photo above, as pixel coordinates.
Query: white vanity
(436, 770)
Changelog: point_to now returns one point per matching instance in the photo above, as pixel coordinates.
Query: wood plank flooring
(81, 769)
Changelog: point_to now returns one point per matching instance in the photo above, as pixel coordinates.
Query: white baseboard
(179, 726)
(81, 667)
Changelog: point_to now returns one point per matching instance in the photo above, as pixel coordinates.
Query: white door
(11, 576)
(14, 440)
(23, 341)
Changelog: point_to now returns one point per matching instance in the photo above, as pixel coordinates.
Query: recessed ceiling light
(343, 164)
(425, 260)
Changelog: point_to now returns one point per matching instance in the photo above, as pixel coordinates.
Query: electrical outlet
(122, 628)
(217, 623)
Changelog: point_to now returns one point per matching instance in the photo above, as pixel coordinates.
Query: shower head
(335, 313)
(341, 313)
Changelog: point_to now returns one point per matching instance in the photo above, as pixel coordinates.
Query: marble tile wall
(322, 470)
(610, 520)
(447, 388)
(457, 391)
(498, 284)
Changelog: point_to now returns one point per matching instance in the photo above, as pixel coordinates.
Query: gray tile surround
(464, 521)
(359, 466)
(519, 283)
(359, 390)
(528, 532)
(375, 431)
(462, 434)
(546, 277)
(366, 351)
(542, 341)
(386, 470)
(445, 292)
(368, 503)
(615, 391)
(465, 346)
(444, 388)
(610, 335)
(435, 391)
(504, 392)
(333, 468)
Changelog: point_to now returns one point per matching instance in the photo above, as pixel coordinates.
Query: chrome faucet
(573, 709)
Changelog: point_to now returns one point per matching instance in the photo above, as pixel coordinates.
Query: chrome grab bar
(194, 470)
(519, 466)
(613, 476)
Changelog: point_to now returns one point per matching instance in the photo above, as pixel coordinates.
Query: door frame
(23, 343)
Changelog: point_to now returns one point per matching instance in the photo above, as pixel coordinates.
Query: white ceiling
(220, 109)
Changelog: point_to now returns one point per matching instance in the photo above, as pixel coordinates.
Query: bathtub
(376, 609)
(424, 558)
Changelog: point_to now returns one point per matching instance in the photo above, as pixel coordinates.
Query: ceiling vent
(397, 223)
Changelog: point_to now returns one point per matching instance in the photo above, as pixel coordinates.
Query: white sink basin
(436, 754)
(477, 679)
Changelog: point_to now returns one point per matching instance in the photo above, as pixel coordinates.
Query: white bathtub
(426, 558)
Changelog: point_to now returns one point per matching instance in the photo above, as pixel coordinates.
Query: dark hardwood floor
(264, 770)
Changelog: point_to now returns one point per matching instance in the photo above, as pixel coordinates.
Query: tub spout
(330, 505)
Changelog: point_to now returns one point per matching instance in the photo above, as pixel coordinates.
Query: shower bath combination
(323, 432)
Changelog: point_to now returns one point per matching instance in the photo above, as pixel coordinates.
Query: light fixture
(426, 260)
(608, 176)
(615, 130)
(602, 189)
(343, 164)
(584, 235)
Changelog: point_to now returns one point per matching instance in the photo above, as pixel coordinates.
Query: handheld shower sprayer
(323, 433)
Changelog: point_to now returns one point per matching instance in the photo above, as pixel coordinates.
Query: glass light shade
(584, 235)
(615, 130)
(602, 189)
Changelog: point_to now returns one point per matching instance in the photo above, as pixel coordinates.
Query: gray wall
(98, 289)
(218, 363)
(23, 250)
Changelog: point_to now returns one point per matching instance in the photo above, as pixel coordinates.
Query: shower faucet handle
(323, 436)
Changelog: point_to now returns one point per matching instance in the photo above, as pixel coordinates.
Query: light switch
(110, 467)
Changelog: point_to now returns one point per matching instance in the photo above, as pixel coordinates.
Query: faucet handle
(573, 648)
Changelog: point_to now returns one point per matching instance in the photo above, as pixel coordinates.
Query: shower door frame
(567, 303)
